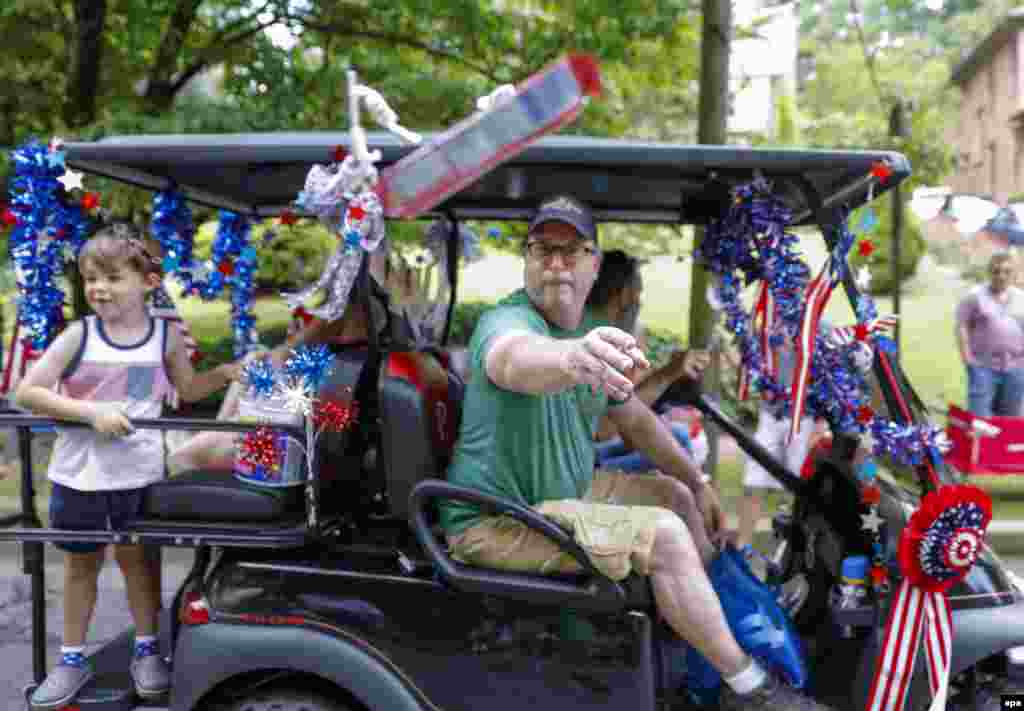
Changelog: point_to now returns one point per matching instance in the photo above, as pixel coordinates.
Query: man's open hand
(602, 359)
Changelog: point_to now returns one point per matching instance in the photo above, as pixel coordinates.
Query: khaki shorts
(615, 524)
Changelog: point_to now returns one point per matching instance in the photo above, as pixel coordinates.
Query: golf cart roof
(260, 174)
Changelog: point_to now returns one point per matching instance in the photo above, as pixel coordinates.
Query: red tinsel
(8, 217)
(259, 448)
(332, 416)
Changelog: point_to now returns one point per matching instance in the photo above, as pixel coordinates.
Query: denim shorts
(92, 511)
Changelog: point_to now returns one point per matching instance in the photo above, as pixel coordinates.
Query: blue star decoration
(55, 159)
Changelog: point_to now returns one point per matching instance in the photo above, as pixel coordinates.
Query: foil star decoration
(871, 521)
(90, 201)
(863, 279)
(297, 397)
(881, 171)
(71, 180)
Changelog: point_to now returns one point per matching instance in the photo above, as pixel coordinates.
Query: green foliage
(293, 258)
(787, 132)
(464, 320)
(880, 261)
(843, 109)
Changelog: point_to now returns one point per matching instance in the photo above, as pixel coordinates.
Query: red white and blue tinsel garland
(749, 245)
(45, 228)
(937, 548)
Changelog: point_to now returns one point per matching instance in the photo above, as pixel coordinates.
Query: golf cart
(346, 598)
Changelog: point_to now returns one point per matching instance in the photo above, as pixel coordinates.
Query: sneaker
(772, 695)
(61, 686)
(793, 594)
(151, 676)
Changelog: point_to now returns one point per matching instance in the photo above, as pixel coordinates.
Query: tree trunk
(84, 74)
(716, 35)
(162, 86)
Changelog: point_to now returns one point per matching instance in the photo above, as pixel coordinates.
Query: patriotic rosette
(937, 549)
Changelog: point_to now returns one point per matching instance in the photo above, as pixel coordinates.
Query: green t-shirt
(527, 448)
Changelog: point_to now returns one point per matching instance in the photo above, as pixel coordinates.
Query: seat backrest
(420, 402)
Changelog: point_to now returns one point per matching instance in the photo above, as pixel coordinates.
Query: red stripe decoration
(818, 293)
(763, 312)
(915, 611)
(937, 548)
(889, 687)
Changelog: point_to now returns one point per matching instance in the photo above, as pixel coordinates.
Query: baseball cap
(563, 208)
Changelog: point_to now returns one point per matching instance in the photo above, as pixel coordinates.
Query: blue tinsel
(172, 226)
(35, 202)
(312, 364)
(261, 376)
(749, 244)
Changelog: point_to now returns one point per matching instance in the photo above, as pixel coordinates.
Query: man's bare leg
(686, 600)
(668, 493)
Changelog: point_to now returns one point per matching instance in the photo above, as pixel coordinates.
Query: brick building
(989, 138)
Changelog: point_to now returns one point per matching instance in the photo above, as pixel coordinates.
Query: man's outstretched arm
(530, 363)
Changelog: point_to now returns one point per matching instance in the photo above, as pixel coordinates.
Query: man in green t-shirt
(540, 377)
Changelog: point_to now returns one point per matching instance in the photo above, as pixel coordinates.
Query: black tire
(286, 700)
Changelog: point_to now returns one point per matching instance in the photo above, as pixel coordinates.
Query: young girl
(104, 370)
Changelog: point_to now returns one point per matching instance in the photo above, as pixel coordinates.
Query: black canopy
(260, 174)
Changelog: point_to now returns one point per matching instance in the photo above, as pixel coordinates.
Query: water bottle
(851, 591)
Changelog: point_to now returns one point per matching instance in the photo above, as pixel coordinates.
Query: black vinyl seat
(216, 496)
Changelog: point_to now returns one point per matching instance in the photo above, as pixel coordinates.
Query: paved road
(110, 619)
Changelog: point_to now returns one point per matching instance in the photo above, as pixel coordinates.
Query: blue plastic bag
(761, 627)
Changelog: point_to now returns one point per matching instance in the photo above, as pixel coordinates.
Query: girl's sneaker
(149, 672)
(62, 684)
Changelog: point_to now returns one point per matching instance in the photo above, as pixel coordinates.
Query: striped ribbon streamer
(763, 313)
(914, 611)
(818, 293)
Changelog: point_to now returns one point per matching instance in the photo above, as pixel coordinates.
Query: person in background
(615, 300)
(990, 336)
(772, 433)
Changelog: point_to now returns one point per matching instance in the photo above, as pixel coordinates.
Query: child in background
(117, 364)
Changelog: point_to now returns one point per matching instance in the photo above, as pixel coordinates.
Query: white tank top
(133, 376)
